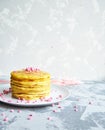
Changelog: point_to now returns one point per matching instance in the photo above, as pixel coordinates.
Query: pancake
(30, 84)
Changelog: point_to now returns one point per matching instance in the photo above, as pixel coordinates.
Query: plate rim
(56, 87)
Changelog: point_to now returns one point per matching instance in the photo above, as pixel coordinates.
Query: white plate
(57, 94)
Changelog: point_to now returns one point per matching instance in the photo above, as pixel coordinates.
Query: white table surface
(83, 110)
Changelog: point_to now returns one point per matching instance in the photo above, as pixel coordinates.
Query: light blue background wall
(63, 37)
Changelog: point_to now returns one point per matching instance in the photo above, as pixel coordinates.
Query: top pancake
(29, 75)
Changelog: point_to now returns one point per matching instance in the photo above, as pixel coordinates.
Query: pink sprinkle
(5, 91)
(12, 110)
(3, 114)
(60, 96)
(5, 119)
(59, 107)
(28, 101)
(75, 109)
(75, 106)
(49, 99)
(1, 94)
(29, 118)
(30, 115)
(37, 70)
(17, 101)
(54, 111)
(27, 69)
(41, 99)
(31, 69)
(19, 111)
(53, 105)
(10, 90)
(49, 118)
(90, 102)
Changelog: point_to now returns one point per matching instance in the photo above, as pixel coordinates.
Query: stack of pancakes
(30, 84)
